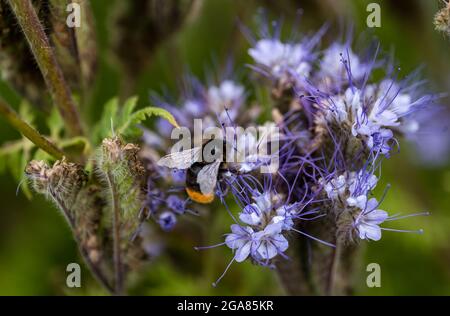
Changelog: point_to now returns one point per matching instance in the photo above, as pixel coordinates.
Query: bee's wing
(181, 160)
(207, 177)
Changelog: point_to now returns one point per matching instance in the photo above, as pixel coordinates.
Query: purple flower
(227, 95)
(176, 204)
(167, 220)
(279, 59)
(286, 214)
(213, 102)
(251, 215)
(269, 243)
(178, 175)
(368, 221)
(240, 240)
(349, 185)
(379, 141)
(261, 246)
(254, 214)
(336, 62)
(357, 110)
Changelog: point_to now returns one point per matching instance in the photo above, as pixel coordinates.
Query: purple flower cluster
(219, 100)
(337, 125)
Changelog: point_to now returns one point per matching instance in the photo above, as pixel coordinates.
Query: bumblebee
(201, 176)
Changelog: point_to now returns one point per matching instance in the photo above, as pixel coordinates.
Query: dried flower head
(62, 181)
(442, 19)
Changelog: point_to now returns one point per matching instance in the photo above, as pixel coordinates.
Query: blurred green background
(36, 246)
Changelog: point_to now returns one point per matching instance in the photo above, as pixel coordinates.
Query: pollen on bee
(200, 197)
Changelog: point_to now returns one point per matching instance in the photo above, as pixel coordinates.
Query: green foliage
(77, 145)
(124, 121)
(55, 124)
(15, 155)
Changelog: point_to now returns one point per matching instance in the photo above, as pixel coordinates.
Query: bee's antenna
(228, 115)
(222, 124)
(234, 126)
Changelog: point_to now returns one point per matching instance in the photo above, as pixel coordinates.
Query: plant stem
(335, 254)
(293, 273)
(28, 131)
(50, 69)
(93, 268)
(116, 235)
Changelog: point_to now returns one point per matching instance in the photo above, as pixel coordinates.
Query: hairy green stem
(335, 255)
(28, 131)
(116, 235)
(50, 69)
(294, 273)
(93, 268)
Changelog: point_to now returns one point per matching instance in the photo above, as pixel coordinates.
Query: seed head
(442, 20)
(63, 181)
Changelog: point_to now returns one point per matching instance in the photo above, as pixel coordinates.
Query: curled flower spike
(218, 101)
(283, 62)
(336, 63)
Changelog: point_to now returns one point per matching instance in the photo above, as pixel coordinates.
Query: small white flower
(344, 107)
(379, 141)
(194, 107)
(333, 67)
(228, 92)
(367, 223)
(270, 242)
(240, 240)
(264, 202)
(362, 183)
(268, 52)
(362, 125)
(262, 245)
(357, 201)
(350, 186)
(390, 106)
(226, 95)
(336, 187)
(280, 58)
(251, 215)
(285, 214)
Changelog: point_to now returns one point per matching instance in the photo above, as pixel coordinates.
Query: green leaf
(127, 110)
(129, 128)
(103, 128)
(79, 143)
(26, 113)
(125, 121)
(42, 155)
(55, 124)
(15, 156)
